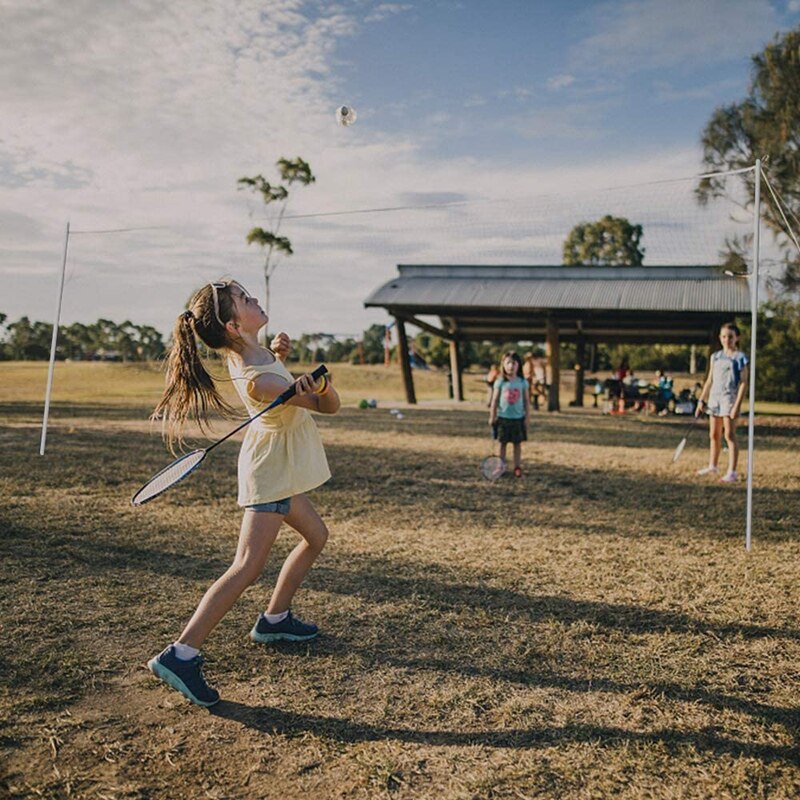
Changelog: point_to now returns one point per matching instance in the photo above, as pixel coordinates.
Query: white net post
(753, 331)
(53, 343)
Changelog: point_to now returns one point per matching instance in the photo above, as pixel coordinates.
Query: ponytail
(190, 391)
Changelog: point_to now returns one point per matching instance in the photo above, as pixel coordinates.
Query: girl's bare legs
(258, 533)
(715, 440)
(733, 445)
(517, 455)
(503, 450)
(305, 520)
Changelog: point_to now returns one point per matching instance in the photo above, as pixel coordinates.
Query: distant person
(630, 379)
(664, 392)
(415, 360)
(491, 376)
(527, 369)
(721, 397)
(538, 379)
(510, 408)
(280, 460)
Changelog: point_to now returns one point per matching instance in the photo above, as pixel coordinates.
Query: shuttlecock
(346, 115)
(398, 415)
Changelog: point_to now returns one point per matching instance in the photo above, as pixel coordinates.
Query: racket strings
(493, 467)
(168, 476)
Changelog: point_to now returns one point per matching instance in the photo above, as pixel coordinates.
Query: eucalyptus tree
(276, 198)
(764, 124)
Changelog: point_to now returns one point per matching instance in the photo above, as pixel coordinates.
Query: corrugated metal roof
(670, 289)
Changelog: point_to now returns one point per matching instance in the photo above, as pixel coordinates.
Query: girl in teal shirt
(510, 408)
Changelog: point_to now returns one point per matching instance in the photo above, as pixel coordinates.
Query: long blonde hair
(190, 391)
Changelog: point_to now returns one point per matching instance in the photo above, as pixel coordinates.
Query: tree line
(778, 367)
(26, 340)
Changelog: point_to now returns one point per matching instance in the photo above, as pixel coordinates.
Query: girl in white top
(721, 398)
(281, 458)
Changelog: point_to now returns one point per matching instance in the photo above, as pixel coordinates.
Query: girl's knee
(319, 538)
(245, 570)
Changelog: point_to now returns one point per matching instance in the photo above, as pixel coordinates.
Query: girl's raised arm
(265, 388)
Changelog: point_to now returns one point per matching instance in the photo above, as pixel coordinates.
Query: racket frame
(155, 477)
(682, 444)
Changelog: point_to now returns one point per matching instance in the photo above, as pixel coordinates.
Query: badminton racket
(492, 468)
(679, 449)
(186, 464)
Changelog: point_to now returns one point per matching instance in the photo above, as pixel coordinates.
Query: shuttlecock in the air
(346, 115)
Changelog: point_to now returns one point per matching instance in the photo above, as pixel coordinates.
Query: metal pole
(53, 342)
(753, 333)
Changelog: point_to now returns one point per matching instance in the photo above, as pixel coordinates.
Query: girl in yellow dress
(281, 459)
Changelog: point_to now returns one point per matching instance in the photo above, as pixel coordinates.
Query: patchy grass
(595, 629)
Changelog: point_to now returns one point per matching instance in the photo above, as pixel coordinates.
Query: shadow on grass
(435, 588)
(62, 556)
(612, 500)
(275, 721)
(61, 410)
(631, 431)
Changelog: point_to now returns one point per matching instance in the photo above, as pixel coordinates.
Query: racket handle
(292, 390)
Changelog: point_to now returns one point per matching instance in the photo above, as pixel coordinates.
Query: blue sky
(143, 115)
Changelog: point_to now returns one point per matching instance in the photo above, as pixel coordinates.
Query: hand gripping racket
(182, 467)
(679, 449)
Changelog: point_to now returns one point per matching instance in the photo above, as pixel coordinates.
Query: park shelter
(584, 305)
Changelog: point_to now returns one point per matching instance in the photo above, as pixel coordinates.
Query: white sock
(273, 619)
(185, 652)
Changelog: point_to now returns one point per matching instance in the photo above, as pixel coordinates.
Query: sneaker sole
(171, 679)
(266, 638)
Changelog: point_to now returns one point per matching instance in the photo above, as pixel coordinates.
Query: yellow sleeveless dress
(282, 453)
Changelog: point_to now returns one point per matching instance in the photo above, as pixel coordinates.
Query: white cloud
(560, 82)
(474, 101)
(793, 6)
(384, 10)
(580, 122)
(520, 93)
(634, 35)
(665, 92)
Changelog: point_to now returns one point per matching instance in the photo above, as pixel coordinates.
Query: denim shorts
(278, 507)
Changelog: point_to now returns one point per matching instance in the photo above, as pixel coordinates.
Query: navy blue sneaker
(185, 676)
(289, 628)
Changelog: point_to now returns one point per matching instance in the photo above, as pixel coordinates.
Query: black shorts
(511, 431)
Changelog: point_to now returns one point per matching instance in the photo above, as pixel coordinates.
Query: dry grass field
(595, 629)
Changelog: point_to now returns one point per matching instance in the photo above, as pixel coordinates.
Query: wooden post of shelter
(713, 341)
(580, 356)
(455, 371)
(405, 361)
(552, 348)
